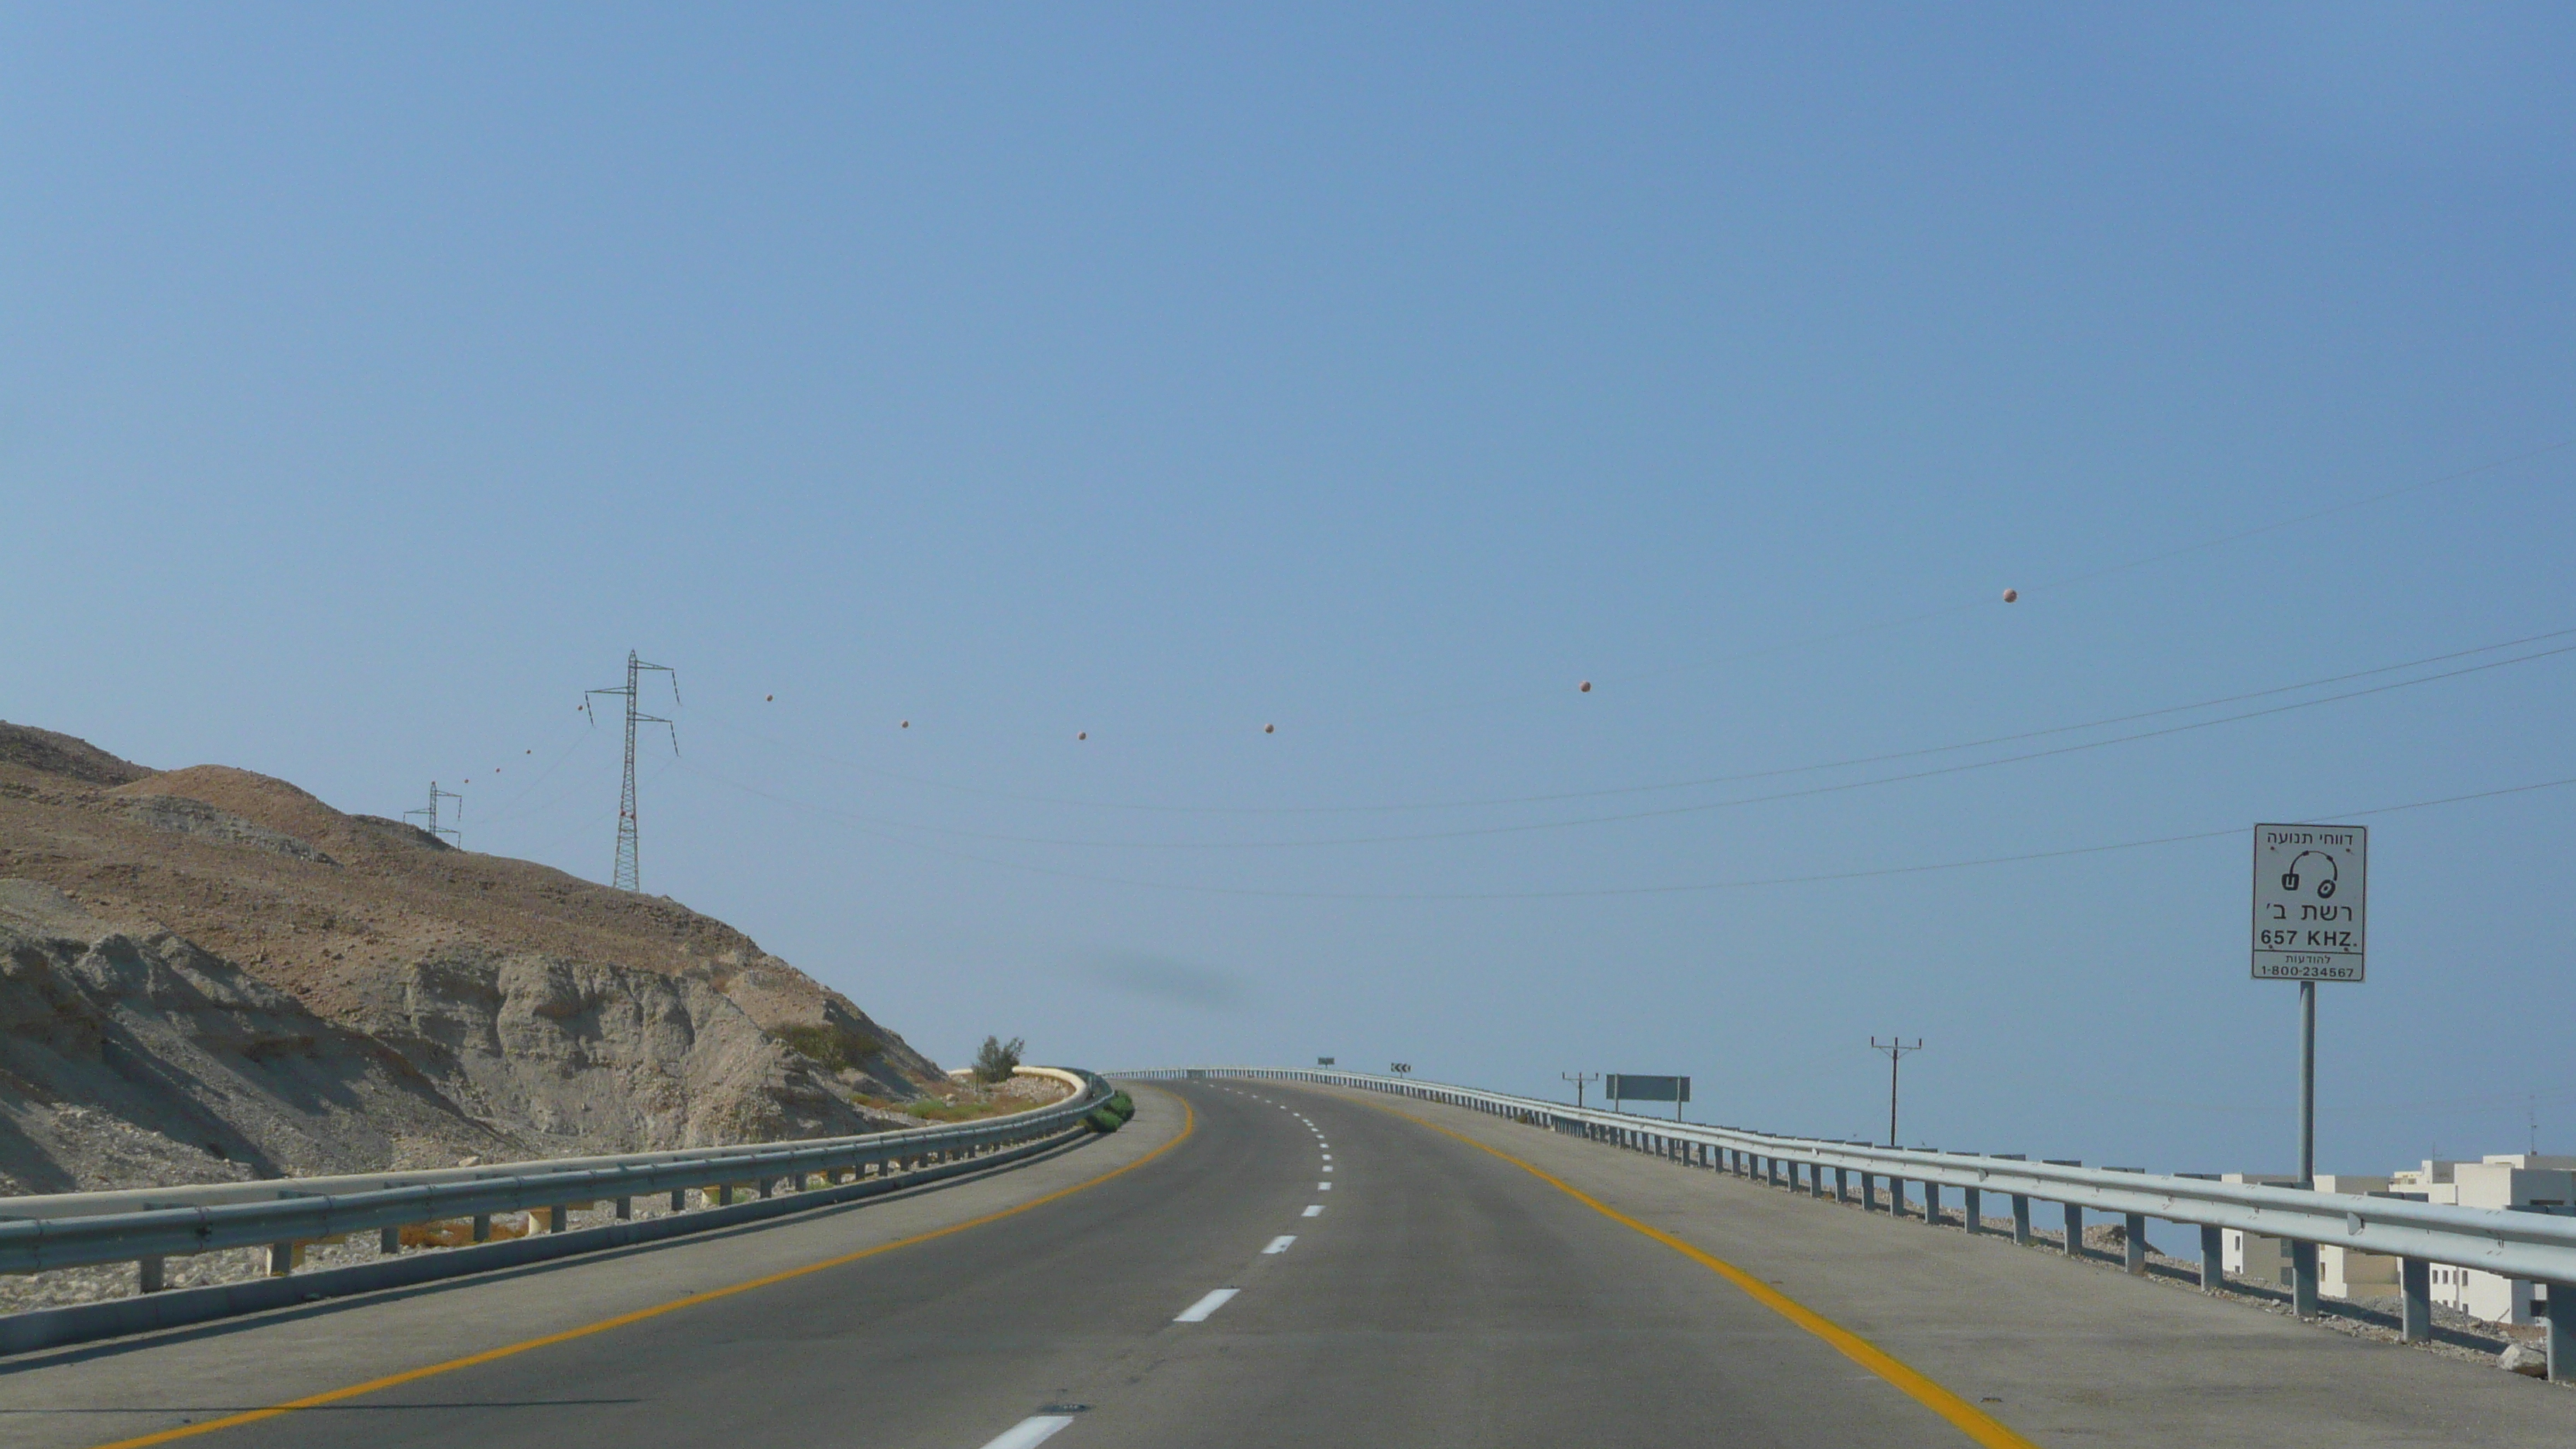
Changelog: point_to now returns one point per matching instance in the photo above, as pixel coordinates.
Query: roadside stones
(2522, 1358)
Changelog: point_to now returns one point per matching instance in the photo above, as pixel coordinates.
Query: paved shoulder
(2061, 1352)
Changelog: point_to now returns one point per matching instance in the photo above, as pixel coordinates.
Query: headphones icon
(2326, 887)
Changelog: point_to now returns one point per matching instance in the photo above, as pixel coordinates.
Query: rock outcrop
(207, 974)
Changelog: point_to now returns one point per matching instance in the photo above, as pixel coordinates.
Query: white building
(2502, 1180)
(2343, 1273)
(2510, 1180)
(2251, 1255)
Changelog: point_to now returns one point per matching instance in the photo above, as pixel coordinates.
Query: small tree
(994, 1061)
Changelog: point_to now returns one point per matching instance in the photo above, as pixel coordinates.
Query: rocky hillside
(208, 973)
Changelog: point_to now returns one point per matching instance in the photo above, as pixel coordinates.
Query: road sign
(2310, 892)
(1632, 1088)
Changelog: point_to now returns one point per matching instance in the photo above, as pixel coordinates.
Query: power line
(628, 875)
(509, 807)
(1094, 878)
(1985, 601)
(1700, 782)
(1702, 807)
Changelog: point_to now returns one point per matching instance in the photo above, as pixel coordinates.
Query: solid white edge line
(1030, 1432)
(1280, 1243)
(1200, 1311)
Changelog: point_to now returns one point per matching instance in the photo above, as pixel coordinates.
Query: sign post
(1629, 1087)
(2311, 893)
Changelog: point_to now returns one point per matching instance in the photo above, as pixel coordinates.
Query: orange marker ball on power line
(1270, 729)
(1587, 687)
(1082, 734)
(907, 724)
(2011, 594)
(769, 696)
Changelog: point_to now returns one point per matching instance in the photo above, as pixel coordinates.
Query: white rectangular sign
(2310, 888)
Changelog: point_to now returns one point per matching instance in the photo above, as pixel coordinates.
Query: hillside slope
(210, 973)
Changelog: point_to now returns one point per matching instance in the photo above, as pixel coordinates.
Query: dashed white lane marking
(1198, 1312)
(1315, 1210)
(1280, 1243)
(1328, 1167)
(1031, 1431)
(1323, 1187)
(1328, 1157)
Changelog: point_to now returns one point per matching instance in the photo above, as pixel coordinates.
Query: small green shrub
(994, 1061)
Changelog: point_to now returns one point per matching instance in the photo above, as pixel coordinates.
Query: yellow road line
(1966, 1417)
(1189, 1124)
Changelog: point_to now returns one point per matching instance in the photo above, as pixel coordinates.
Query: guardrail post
(679, 1199)
(1895, 1197)
(1815, 1179)
(1973, 1209)
(724, 1194)
(1931, 1204)
(2303, 1279)
(1868, 1192)
(482, 1227)
(2213, 1263)
(1842, 1184)
(281, 1259)
(766, 1183)
(2137, 1244)
(2022, 1234)
(148, 1275)
(2415, 1284)
(389, 1241)
(2074, 1214)
(2559, 1337)
(625, 1208)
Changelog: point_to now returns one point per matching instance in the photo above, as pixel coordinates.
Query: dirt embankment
(208, 973)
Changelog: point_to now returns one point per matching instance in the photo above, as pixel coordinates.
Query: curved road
(1251, 1264)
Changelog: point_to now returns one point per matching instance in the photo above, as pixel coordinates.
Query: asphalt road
(1431, 1295)
(1192, 1281)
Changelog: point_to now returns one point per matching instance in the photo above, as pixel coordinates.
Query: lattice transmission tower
(627, 878)
(429, 813)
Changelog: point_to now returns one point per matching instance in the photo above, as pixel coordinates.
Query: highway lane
(1440, 1296)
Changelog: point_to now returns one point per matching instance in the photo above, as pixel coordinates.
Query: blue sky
(373, 382)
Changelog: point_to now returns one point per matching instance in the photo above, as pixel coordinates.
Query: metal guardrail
(147, 1226)
(2533, 1246)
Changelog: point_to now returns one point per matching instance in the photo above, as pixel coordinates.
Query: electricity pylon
(429, 812)
(627, 877)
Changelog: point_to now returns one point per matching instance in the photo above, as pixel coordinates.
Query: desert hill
(210, 973)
